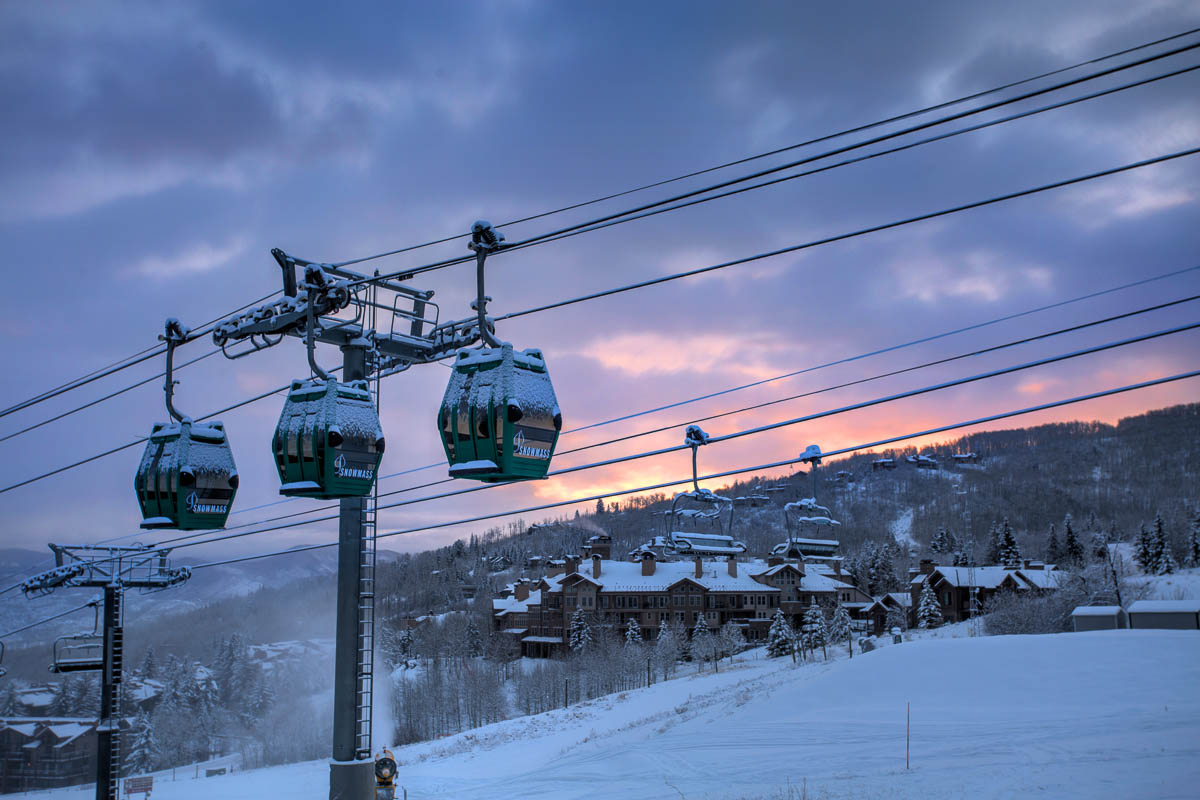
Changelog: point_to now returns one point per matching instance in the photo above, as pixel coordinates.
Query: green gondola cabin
(187, 478)
(328, 443)
(499, 419)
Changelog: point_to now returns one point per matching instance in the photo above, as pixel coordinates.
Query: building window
(587, 601)
(633, 601)
(570, 601)
(604, 601)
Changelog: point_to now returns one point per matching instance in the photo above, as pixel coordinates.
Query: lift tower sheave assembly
(113, 569)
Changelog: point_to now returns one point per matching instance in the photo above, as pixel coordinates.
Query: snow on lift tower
(499, 420)
(186, 479)
(328, 443)
(695, 437)
(812, 457)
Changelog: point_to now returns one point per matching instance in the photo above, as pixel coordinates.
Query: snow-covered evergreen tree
(779, 636)
(1010, 554)
(732, 639)
(1099, 547)
(581, 632)
(633, 633)
(995, 544)
(148, 668)
(474, 639)
(929, 612)
(815, 633)
(1073, 552)
(1160, 547)
(1143, 551)
(1053, 553)
(143, 754)
(666, 647)
(1167, 564)
(1192, 557)
(703, 647)
(840, 626)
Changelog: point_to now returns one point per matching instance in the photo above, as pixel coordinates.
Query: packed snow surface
(1107, 714)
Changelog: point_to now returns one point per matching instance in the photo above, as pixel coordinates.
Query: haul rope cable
(589, 227)
(89, 604)
(723, 265)
(740, 471)
(680, 425)
(818, 140)
(1112, 70)
(412, 271)
(140, 357)
(173, 543)
(849, 161)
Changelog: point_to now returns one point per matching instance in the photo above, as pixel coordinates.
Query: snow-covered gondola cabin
(499, 419)
(186, 479)
(328, 443)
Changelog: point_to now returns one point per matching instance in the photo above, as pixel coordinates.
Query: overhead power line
(798, 145)
(740, 471)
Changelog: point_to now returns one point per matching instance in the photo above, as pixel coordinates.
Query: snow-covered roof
(626, 576)
(68, 733)
(984, 577)
(545, 639)
(1041, 578)
(511, 604)
(900, 598)
(1096, 611)
(1165, 607)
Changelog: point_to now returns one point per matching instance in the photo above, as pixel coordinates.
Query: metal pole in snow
(907, 731)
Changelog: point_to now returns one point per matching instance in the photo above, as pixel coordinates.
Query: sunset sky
(153, 153)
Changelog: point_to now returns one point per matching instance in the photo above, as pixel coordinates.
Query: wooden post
(566, 692)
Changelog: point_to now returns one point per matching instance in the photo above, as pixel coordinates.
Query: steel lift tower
(113, 569)
(332, 305)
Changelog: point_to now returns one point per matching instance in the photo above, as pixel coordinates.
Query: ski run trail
(1109, 714)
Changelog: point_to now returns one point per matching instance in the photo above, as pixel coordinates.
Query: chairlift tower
(113, 569)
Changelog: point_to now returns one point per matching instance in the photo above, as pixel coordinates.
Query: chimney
(774, 561)
(1024, 563)
(521, 592)
(837, 568)
(732, 566)
(572, 564)
(596, 565)
(699, 567)
(647, 562)
(926, 566)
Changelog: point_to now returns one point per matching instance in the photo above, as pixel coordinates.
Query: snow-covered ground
(1110, 714)
(1183, 585)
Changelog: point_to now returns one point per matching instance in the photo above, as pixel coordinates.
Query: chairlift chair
(186, 479)
(78, 652)
(499, 419)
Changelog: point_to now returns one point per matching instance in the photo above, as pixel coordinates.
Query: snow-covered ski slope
(1112, 714)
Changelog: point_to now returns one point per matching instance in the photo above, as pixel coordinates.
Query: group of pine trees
(815, 632)
(1153, 552)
